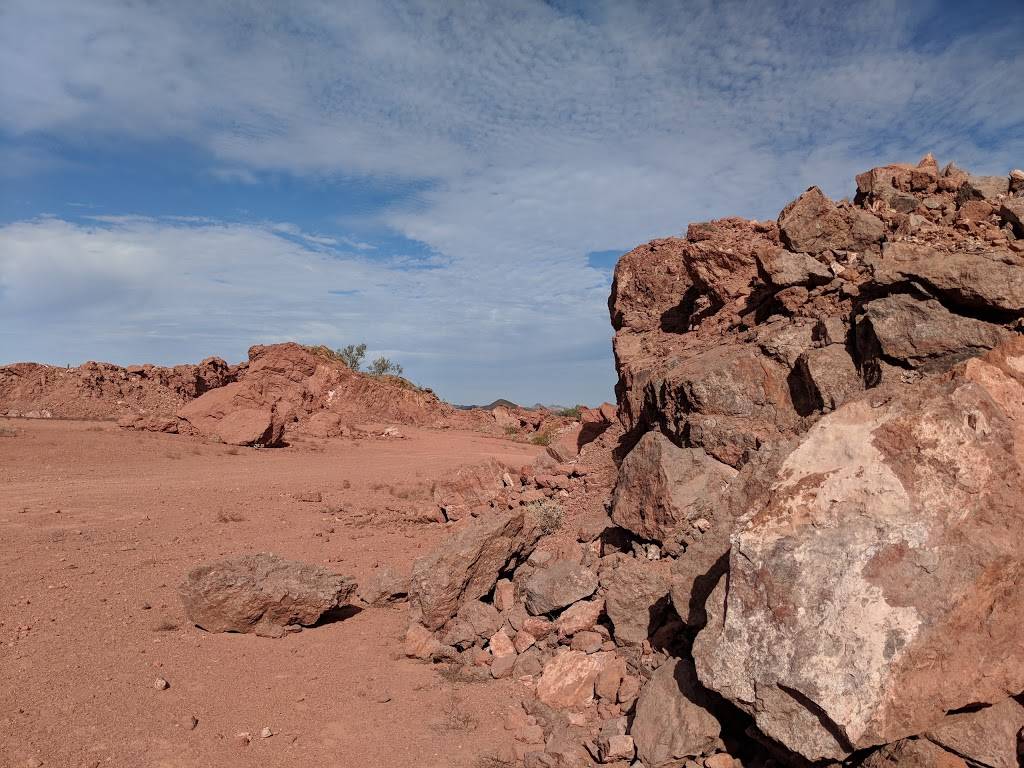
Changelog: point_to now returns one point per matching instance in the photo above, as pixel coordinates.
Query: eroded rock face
(985, 278)
(664, 491)
(879, 585)
(467, 565)
(913, 753)
(987, 737)
(261, 593)
(673, 717)
(921, 333)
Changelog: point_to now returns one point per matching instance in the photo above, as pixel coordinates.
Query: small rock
(266, 733)
(243, 738)
(160, 684)
(191, 722)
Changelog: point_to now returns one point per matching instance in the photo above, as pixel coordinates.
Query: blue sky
(450, 183)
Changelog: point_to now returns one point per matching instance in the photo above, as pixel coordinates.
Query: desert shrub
(229, 517)
(6, 431)
(384, 367)
(570, 413)
(541, 438)
(352, 355)
(548, 514)
(510, 430)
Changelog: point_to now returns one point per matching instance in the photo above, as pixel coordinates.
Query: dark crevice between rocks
(678, 318)
(703, 586)
(815, 709)
(334, 615)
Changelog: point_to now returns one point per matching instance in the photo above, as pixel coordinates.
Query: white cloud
(539, 136)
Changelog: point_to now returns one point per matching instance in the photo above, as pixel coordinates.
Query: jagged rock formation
(106, 391)
(869, 577)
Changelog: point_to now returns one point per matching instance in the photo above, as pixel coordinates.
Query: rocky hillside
(812, 552)
(107, 391)
(281, 388)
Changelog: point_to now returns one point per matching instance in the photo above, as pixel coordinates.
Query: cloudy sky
(449, 182)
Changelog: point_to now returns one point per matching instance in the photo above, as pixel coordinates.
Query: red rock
(913, 753)
(986, 737)
(663, 490)
(673, 718)
(878, 586)
(260, 593)
(636, 598)
(467, 565)
(568, 679)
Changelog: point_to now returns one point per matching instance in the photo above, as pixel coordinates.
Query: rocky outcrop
(146, 393)
(842, 623)
(262, 593)
(855, 366)
(289, 386)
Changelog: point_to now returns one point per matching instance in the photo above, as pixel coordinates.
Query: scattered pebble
(191, 722)
(266, 733)
(243, 738)
(160, 684)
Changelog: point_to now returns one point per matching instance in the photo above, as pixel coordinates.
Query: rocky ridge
(810, 555)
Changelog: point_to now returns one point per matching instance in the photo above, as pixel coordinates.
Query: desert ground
(98, 525)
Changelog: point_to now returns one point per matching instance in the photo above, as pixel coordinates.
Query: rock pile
(813, 552)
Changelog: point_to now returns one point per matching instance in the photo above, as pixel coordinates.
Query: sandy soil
(98, 525)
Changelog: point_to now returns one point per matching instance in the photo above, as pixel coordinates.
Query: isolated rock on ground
(467, 565)
(218, 413)
(663, 490)
(879, 587)
(261, 593)
(558, 585)
(673, 717)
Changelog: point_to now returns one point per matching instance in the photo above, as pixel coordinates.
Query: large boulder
(665, 492)
(673, 717)
(878, 586)
(921, 334)
(987, 279)
(636, 598)
(467, 565)
(261, 593)
(558, 585)
(813, 224)
(226, 414)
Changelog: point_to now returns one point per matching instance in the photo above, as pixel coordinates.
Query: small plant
(229, 517)
(510, 430)
(6, 431)
(548, 514)
(541, 438)
(570, 413)
(165, 625)
(384, 367)
(352, 355)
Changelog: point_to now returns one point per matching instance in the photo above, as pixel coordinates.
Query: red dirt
(97, 527)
